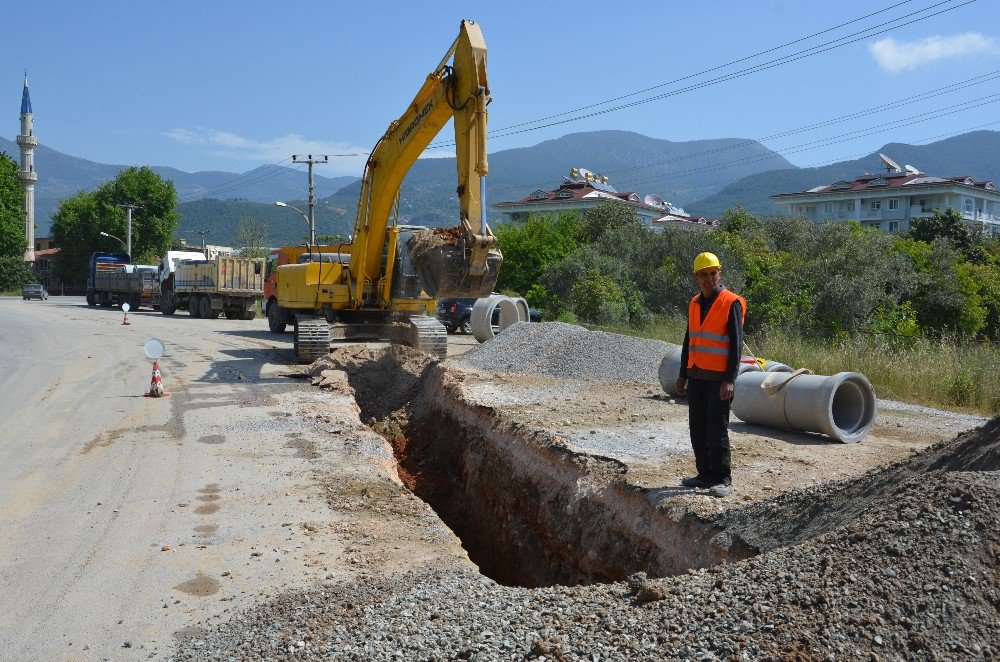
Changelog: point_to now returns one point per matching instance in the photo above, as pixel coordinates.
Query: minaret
(27, 174)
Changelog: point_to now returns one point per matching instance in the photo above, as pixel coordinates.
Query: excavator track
(428, 335)
(312, 338)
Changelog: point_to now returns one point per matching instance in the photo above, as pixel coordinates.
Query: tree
(530, 248)
(950, 226)
(78, 222)
(14, 273)
(12, 241)
(607, 216)
(251, 237)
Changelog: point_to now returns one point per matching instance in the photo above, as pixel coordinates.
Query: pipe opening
(850, 407)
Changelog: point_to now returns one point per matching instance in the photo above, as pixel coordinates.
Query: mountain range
(61, 176)
(704, 176)
(975, 154)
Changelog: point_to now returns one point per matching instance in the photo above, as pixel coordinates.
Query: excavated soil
(900, 561)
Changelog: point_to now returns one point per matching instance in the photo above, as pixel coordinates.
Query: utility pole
(310, 161)
(128, 226)
(203, 233)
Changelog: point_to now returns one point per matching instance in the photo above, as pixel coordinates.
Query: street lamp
(105, 234)
(312, 230)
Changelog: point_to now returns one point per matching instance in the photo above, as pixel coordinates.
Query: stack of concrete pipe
(841, 406)
(512, 311)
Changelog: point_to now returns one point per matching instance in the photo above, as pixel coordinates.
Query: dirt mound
(914, 578)
(803, 514)
(384, 379)
(567, 351)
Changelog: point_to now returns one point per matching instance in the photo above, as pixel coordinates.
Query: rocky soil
(916, 577)
(902, 561)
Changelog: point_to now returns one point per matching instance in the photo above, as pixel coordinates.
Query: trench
(528, 511)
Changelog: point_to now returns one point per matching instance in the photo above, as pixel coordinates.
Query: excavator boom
(456, 263)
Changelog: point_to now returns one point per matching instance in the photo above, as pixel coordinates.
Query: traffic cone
(126, 322)
(156, 385)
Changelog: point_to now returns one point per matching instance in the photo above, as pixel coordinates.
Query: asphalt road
(120, 514)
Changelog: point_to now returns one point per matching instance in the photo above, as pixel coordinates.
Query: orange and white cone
(156, 386)
(126, 322)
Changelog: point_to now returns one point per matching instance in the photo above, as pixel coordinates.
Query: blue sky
(232, 85)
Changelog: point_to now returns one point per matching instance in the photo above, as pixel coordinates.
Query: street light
(105, 234)
(312, 231)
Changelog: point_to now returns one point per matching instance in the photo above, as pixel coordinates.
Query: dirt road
(128, 521)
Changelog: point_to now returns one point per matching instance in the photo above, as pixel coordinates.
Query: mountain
(976, 154)
(61, 176)
(678, 171)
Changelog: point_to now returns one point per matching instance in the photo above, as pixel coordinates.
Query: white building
(889, 201)
(584, 190)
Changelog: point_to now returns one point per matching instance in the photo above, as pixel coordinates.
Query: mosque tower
(27, 141)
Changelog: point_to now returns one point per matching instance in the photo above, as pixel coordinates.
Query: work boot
(695, 481)
(720, 490)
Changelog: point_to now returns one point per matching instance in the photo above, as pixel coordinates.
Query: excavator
(384, 283)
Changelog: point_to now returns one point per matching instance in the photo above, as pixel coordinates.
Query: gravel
(916, 577)
(567, 351)
(902, 562)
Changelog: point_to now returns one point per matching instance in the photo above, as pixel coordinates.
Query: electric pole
(203, 233)
(310, 161)
(128, 226)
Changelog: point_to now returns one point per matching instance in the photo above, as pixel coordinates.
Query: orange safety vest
(708, 341)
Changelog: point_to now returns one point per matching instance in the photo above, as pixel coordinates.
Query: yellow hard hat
(706, 260)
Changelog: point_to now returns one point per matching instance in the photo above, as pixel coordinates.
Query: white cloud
(229, 145)
(232, 146)
(896, 56)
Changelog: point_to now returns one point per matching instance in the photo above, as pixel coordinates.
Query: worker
(710, 361)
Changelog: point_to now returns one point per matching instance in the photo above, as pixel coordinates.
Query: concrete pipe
(774, 366)
(482, 315)
(841, 406)
(670, 369)
(522, 310)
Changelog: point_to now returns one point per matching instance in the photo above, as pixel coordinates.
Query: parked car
(34, 291)
(455, 314)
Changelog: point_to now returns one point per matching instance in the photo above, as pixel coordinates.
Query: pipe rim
(865, 420)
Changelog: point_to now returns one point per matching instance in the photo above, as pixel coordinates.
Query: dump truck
(208, 288)
(102, 262)
(112, 280)
(134, 284)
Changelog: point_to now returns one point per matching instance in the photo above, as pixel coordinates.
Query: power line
(239, 178)
(947, 89)
(706, 71)
(799, 55)
(844, 137)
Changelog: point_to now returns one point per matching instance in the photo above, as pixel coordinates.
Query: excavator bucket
(445, 266)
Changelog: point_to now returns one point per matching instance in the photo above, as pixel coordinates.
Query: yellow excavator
(385, 282)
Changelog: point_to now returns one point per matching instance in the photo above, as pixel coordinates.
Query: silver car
(34, 291)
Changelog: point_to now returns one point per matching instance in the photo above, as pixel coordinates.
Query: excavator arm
(462, 263)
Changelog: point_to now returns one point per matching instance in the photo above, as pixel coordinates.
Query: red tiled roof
(577, 190)
(893, 181)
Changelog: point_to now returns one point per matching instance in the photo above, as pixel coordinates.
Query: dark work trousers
(708, 417)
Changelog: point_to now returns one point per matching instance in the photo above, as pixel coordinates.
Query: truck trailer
(208, 288)
(134, 284)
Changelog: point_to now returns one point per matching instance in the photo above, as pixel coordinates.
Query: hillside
(61, 176)
(976, 154)
(683, 170)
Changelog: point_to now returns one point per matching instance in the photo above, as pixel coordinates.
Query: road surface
(127, 521)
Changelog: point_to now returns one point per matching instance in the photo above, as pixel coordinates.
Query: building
(584, 190)
(46, 253)
(889, 201)
(26, 141)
